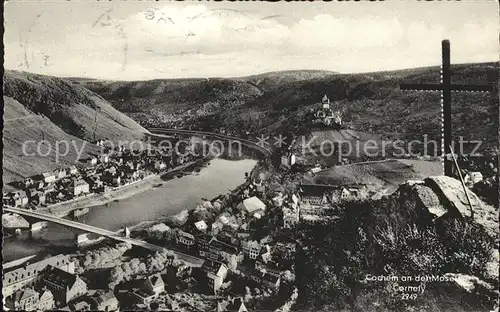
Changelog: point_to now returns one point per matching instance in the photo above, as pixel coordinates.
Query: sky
(139, 40)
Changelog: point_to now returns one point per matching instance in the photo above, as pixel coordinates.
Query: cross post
(446, 87)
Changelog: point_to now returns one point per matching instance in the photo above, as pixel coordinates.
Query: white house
(251, 249)
(325, 102)
(104, 158)
(223, 219)
(345, 193)
(155, 284)
(184, 238)
(473, 177)
(216, 273)
(92, 161)
(252, 205)
(316, 169)
(201, 226)
(216, 227)
(288, 159)
(79, 187)
(61, 173)
(73, 170)
(48, 177)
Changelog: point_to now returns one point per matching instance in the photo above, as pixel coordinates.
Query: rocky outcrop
(430, 200)
(454, 201)
(469, 283)
(485, 292)
(439, 198)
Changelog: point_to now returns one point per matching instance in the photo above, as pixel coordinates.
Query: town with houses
(226, 157)
(236, 241)
(98, 174)
(217, 254)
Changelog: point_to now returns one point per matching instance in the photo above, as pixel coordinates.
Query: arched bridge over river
(244, 142)
(191, 260)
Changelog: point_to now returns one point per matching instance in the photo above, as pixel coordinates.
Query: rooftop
(186, 234)
(143, 294)
(211, 266)
(60, 277)
(106, 297)
(224, 246)
(201, 225)
(30, 270)
(25, 294)
(156, 280)
(252, 204)
(270, 278)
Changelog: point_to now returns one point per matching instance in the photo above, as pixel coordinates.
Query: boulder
(470, 283)
(430, 200)
(453, 199)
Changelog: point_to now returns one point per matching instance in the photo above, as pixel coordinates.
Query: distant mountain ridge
(276, 102)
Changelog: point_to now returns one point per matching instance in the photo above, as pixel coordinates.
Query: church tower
(325, 102)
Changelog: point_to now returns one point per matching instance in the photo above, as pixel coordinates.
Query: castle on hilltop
(324, 115)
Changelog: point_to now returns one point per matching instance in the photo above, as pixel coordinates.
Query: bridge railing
(246, 142)
(96, 230)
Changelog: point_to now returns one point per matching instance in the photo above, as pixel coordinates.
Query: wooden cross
(446, 87)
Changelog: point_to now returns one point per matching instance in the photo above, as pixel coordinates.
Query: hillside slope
(20, 126)
(43, 108)
(74, 109)
(374, 103)
(178, 96)
(270, 80)
(386, 174)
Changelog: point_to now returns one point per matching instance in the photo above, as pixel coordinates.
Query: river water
(172, 196)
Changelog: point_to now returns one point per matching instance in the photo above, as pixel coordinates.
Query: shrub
(469, 247)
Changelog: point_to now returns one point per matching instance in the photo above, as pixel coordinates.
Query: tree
(217, 206)
(248, 294)
(201, 213)
(104, 255)
(116, 276)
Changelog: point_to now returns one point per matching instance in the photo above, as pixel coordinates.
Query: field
(386, 174)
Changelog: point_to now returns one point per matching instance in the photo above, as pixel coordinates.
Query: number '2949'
(409, 296)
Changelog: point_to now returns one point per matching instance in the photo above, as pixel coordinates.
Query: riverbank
(144, 225)
(96, 200)
(237, 191)
(168, 197)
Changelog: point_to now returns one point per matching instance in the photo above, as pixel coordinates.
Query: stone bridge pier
(81, 239)
(37, 226)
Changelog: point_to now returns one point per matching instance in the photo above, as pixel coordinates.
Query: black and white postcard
(250, 156)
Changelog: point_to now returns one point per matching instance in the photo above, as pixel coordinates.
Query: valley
(326, 220)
